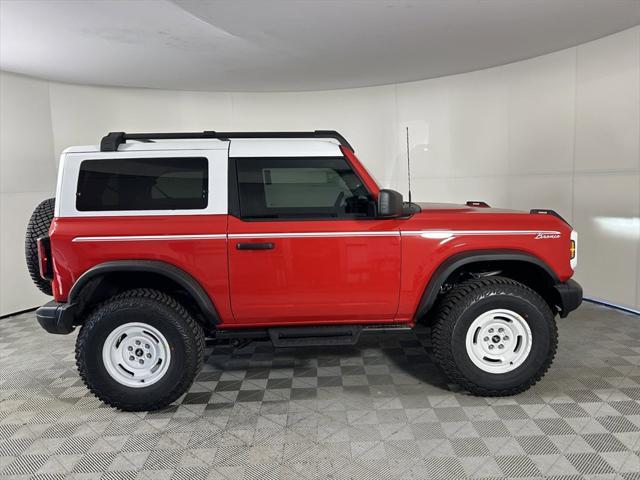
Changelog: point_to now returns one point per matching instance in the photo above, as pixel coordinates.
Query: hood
(462, 208)
(481, 213)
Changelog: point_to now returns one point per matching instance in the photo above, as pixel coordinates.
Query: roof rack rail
(113, 140)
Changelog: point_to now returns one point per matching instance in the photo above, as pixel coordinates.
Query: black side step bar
(315, 336)
(308, 336)
(113, 140)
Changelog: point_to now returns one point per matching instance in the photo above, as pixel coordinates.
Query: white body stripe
(315, 234)
(136, 238)
(456, 233)
(433, 234)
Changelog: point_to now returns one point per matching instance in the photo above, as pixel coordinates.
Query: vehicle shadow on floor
(380, 361)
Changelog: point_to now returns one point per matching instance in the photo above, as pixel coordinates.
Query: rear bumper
(569, 295)
(56, 317)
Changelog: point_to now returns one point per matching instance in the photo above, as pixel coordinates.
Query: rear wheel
(140, 350)
(494, 336)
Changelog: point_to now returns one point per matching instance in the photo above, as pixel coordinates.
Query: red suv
(156, 241)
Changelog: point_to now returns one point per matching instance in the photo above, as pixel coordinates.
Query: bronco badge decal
(541, 236)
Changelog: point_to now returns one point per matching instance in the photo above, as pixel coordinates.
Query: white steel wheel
(498, 341)
(136, 355)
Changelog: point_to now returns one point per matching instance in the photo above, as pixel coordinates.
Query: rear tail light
(44, 258)
(573, 250)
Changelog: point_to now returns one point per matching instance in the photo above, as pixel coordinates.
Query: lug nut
(490, 347)
(146, 345)
(148, 355)
(505, 338)
(486, 339)
(141, 361)
(501, 346)
(491, 330)
(131, 357)
(137, 342)
(130, 348)
(501, 329)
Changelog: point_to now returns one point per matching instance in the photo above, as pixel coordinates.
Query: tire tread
(188, 323)
(37, 227)
(453, 305)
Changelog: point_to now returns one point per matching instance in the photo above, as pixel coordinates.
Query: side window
(301, 188)
(143, 184)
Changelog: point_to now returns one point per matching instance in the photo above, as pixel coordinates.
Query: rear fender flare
(90, 279)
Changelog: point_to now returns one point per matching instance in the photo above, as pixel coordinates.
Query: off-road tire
(184, 335)
(37, 227)
(465, 302)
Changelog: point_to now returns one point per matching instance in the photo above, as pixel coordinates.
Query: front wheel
(139, 350)
(494, 336)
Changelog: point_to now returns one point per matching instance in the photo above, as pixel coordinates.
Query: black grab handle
(255, 246)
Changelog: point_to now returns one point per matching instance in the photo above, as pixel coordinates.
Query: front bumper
(569, 296)
(56, 317)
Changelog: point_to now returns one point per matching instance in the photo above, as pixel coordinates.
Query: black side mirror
(389, 204)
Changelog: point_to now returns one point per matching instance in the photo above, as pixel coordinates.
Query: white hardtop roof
(253, 147)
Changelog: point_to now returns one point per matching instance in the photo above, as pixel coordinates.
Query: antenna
(408, 166)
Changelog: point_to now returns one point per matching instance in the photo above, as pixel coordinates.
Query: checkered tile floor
(378, 410)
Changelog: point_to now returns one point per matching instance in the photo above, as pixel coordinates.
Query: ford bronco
(156, 241)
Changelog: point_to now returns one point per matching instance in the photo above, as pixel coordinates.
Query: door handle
(255, 246)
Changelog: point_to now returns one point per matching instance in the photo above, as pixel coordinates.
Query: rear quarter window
(143, 184)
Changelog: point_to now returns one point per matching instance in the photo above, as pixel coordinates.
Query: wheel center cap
(495, 339)
(139, 352)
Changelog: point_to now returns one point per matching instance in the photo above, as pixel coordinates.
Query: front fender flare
(454, 262)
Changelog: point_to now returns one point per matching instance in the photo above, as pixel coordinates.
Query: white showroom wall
(559, 131)
(27, 176)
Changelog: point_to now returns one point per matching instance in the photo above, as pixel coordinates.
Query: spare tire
(38, 226)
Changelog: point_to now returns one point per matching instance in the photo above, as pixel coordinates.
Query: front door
(305, 247)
